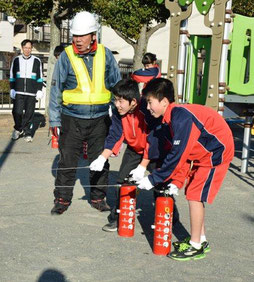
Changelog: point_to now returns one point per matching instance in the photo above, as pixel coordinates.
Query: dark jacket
(26, 75)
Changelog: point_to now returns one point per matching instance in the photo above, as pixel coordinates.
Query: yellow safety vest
(87, 92)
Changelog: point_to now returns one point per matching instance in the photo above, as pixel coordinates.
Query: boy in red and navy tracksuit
(131, 123)
(202, 149)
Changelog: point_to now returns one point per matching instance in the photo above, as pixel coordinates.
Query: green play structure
(197, 69)
(240, 63)
(241, 60)
(216, 69)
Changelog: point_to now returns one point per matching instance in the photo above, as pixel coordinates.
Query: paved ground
(34, 246)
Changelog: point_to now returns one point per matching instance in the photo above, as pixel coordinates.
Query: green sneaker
(206, 247)
(185, 240)
(187, 252)
(205, 244)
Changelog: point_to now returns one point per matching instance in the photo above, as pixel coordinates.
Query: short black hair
(127, 89)
(160, 88)
(149, 58)
(25, 41)
(58, 50)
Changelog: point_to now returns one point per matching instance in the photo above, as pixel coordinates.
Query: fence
(126, 67)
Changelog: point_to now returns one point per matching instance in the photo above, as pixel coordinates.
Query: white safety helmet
(83, 23)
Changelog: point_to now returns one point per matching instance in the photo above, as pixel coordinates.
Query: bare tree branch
(131, 42)
(64, 13)
(154, 29)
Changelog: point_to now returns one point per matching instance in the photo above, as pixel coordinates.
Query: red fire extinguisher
(163, 225)
(127, 208)
(54, 142)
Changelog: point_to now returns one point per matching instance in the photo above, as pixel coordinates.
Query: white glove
(98, 164)
(138, 173)
(39, 95)
(12, 94)
(172, 189)
(145, 183)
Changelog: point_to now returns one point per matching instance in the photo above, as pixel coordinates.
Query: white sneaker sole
(109, 230)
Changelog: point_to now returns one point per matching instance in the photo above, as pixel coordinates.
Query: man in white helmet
(78, 109)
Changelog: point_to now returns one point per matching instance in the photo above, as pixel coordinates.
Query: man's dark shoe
(110, 227)
(187, 252)
(60, 206)
(205, 244)
(100, 205)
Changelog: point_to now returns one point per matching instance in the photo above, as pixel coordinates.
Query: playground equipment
(214, 70)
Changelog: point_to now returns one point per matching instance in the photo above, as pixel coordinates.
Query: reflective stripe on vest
(87, 92)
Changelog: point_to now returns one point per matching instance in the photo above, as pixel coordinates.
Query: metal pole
(246, 144)
(181, 59)
(224, 54)
(188, 68)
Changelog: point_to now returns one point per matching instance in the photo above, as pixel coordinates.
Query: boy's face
(124, 106)
(157, 108)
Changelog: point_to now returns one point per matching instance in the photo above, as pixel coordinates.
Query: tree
(40, 12)
(243, 7)
(134, 21)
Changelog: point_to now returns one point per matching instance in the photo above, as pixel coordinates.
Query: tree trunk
(140, 48)
(54, 41)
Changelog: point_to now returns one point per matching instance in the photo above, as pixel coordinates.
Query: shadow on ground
(52, 275)
(6, 151)
(38, 122)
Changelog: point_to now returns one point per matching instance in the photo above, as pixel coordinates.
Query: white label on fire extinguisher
(131, 214)
(166, 230)
(167, 216)
(166, 223)
(165, 244)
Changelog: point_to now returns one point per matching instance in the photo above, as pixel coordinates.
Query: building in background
(10, 45)
(12, 33)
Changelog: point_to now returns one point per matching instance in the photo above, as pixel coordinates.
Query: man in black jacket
(26, 86)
